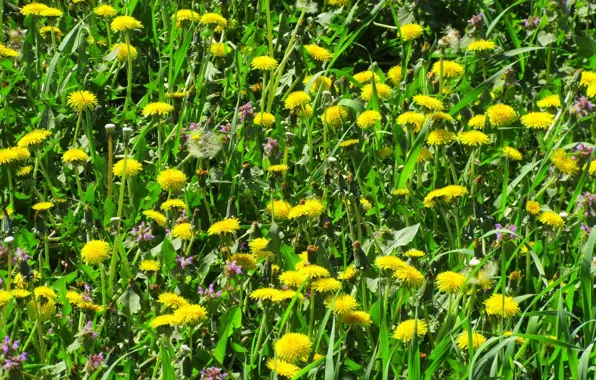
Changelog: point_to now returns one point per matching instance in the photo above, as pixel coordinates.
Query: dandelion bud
(474, 262)
(115, 219)
(332, 159)
(110, 128)
(356, 244)
(9, 240)
(327, 93)
(127, 131)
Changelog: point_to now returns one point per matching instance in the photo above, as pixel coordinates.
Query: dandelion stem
(77, 127)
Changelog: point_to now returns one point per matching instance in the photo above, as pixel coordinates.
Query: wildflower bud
(474, 262)
(110, 128)
(332, 159)
(563, 214)
(515, 275)
(115, 219)
(327, 94)
(9, 240)
(356, 244)
(127, 131)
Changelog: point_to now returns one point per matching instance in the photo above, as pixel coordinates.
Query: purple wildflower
(271, 147)
(183, 261)
(477, 19)
(213, 373)
(583, 106)
(209, 293)
(11, 360)
(504, 236)
(232, 268)
(142, 232)
(94, 362)
(245, 111)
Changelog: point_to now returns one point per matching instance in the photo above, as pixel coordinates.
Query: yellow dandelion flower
(305, 112)
(219, 49)
(518, 340)
(164, 320)
(5, 297)
(451, 69)
(123, 52)
(157, 109)
(366, 76)
(343, 304)
(405, 330)
(325, 285)
(314, 271)
(35, 9)
(156, 216)
(348, 143)
(6, 52)
(291, 347)
(149, 265)
(411, 119)
(446, 194)
(245, 260)
(424, 155)
(477, 122)
(389, 263)
(512, 153)
(190, 315)
(173, 203)
(414, 253)
(321, 80)
(182, 231)
(498, 304)
(226, 226)
(440, 137)
(105, 11)
(25, 171)
(368, 119)
(33, 138)
(312, 208)
(383, 91)
(587, 78)
(348, 274)
(46, 32)
(264, 63)
(82, 100)
(258, 245)
(279, 208)
(171, 180)
(335, 116)
(42, 206)
(463, 341)
(292, 278)
(501, 115)
(532, 207)
(172, 300)
(394, 75)
(297, 99)
(133, 167)
(125, 24)
(551, 101)
(409, 276)
(96, 252)
(177, 95)
(552, 219)
(356, 318)
(537, 120)
(264, 294)
(429, 102)
(473, 138)
(264, 119)
(410, 32)
(186, 15)
(214, 19)
(318, 53)
(450, 282)
(21, 293)
(482, 46)
(563, 162)
(75, 156)
(280, 367)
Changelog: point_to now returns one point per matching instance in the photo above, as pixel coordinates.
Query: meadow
(310, 189)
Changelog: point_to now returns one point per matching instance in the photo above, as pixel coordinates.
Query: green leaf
(231, 320)
(401, 238)
(546, 39)
(168, 254)
(130, 300)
